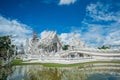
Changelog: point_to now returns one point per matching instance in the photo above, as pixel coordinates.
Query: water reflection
(5, 71)
(45, 74)
(38, 72)
(105, 76)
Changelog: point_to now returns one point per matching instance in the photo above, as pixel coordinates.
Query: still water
(39, 72)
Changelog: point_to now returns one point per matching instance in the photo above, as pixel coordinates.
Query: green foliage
(0, 62)
(17, 62)
(6, 48)
(4, 42)
(104, 47)
(65, 47)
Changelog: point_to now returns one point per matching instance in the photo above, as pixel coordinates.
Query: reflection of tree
(37, 72)
(74, 75)
(45, 74)
(5, 71)
(55, 74)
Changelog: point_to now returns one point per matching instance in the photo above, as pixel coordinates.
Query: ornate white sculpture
(48, 43)
(48, 47)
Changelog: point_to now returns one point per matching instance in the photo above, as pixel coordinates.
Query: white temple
(48, 43)
(48, 47)
(76, 43)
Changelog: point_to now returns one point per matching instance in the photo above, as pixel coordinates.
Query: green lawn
(19, 62)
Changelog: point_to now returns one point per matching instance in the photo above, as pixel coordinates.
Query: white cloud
(67, 2)
(15, 28)
(113, 38)
(100, 11)
(102, 25)
(67, 37)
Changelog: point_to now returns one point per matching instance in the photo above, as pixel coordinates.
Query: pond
(38, 72)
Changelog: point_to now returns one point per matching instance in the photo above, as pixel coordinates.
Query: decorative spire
(34, 36)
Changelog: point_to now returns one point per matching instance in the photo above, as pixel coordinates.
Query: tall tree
(6, 48)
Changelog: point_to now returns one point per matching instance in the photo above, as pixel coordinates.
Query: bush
(104, 47)
(65, 47)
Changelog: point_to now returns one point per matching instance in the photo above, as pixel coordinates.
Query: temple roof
(48, 37)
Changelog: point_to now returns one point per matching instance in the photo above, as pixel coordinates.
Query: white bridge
(95, 52)
(49, 49)
(76, 56)
(108, 54)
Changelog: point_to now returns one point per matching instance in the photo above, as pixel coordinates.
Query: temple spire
(34, 37)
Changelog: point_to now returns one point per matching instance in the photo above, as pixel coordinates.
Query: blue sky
(45, 14)
(96, 21)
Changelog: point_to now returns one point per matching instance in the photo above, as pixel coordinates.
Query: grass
(19, 62)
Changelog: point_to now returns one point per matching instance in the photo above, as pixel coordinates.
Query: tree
(104, 47)
(65, 47)
(6, 48)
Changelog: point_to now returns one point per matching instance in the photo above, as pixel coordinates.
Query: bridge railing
(97, 50)
(43, 57)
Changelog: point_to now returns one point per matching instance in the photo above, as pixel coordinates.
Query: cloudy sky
(97, 22)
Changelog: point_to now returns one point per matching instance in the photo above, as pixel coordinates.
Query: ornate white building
(48, 43)
(48, 47)
(76, 43)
